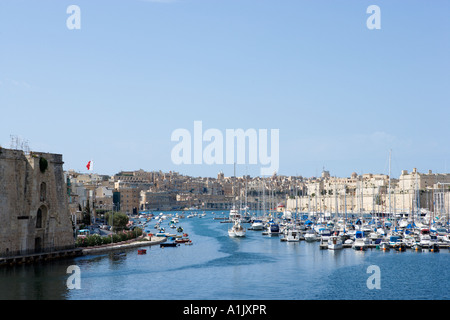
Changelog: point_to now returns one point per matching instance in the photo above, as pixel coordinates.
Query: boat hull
(171, 244)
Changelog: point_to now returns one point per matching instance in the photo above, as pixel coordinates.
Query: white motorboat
(310, 236)
(237, 230)
(425, 238)
(335, 242)
(360, 242)
(257, 225)
(291, 235)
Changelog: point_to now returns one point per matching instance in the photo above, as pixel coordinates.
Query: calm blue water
(250, 268)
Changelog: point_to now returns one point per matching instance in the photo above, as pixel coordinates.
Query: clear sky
(340, 94)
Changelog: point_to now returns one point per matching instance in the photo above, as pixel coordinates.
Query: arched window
(43, 191)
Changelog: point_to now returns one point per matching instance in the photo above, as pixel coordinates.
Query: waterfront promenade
(78, 251)
(139, 242)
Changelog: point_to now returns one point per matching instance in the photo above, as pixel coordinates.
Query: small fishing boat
(180, 229)
(142, 251)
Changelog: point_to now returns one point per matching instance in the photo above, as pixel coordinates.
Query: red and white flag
(90, 165)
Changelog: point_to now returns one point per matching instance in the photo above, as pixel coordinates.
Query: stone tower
(34, 213)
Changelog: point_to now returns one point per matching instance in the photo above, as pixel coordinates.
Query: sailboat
(234, 213)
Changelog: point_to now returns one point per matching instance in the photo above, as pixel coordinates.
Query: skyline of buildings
(134, 191)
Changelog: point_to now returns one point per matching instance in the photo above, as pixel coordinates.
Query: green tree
(120, 220)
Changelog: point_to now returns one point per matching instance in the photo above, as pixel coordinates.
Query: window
(43, 191)
(41, 216)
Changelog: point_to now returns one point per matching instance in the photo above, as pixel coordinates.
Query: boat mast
(389, 212)
(345, 204)
(264, 197)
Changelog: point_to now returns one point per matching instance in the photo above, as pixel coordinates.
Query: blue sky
(341, 95)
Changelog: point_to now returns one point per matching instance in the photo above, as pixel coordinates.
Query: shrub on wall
(43, 164)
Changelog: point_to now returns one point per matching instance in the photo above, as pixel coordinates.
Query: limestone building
(34, 213)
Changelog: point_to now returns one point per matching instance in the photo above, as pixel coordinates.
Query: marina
(214, 265)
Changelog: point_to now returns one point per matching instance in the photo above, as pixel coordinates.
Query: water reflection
(35, 282)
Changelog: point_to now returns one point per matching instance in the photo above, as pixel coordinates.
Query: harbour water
(218, 267)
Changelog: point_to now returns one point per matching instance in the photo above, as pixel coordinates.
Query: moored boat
(291, 235)
(384, 246)
(310, 236)
(168, 244)
(273, 229)
(257, 225)
(335, 242)
(360, 242)
(434, 247)
(400, 246)
(183, 240)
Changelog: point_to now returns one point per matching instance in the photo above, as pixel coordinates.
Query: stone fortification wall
(34, 214)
